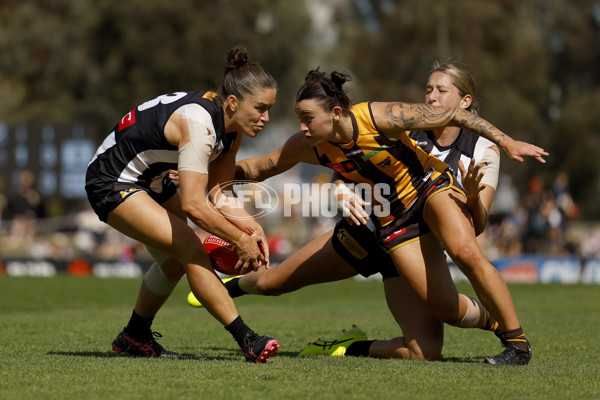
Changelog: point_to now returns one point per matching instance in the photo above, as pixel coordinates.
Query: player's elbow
(193, 209)
(242, 172)
(248, 170)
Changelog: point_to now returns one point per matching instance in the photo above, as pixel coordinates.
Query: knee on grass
(422, 350)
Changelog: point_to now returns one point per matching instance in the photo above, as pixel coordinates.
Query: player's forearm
(256, 169)
(404, 116)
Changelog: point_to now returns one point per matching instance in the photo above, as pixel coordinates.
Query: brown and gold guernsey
(372, 158)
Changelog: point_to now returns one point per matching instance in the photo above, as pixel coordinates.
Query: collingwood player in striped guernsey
(128, 187)
(369, 143)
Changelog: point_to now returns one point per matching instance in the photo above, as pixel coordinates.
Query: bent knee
(446, 311)
(468, 257)
(430, 351)
(266, 288)
(430, 354)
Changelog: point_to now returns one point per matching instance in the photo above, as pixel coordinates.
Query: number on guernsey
(164, 99)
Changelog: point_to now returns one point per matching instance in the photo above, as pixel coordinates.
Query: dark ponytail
(242, 77)
(328, 91)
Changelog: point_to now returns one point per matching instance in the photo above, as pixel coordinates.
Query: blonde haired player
(421, 321)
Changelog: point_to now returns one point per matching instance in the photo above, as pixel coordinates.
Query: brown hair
(328, 91)
(243, 77)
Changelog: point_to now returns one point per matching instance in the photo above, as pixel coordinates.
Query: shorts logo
(128, 192)
(395, 234)
(351, 244)
(344, 166)
(127, 120)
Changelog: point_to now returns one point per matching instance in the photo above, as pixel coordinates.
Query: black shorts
(409, 226)
(106, 197)
(358, 246)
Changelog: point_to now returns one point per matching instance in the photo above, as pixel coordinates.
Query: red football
(223, 254)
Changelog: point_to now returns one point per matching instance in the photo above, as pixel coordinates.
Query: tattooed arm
(293, 151)
(395, 118)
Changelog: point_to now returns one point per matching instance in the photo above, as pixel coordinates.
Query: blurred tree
(67, 60)
(573, 39)
(535, 62)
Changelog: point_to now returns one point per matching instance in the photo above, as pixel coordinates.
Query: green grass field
(56, 334)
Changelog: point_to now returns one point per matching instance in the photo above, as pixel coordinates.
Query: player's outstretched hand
(516, 150)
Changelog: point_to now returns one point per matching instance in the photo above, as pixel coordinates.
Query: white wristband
(342, 190)
(341, 194)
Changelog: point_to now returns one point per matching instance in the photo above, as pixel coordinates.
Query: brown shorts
(409, 226)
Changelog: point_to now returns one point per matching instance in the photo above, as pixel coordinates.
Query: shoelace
(151, 345)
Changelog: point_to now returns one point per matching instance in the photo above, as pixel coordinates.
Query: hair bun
(237, 57)
(314, 74)
(339, 78)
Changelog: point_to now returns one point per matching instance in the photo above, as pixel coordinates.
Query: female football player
(128, 187)
(415, 252)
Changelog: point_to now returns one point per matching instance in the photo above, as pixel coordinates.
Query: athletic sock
(239, 330)
(359, 349)
(517, 337)
(491, 324)
(233, 287)
(139, 327)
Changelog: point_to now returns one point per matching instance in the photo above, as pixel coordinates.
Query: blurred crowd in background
(535, 61)
(544, 220)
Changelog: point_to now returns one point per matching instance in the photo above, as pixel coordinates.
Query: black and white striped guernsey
(465, 147)
(136, 152)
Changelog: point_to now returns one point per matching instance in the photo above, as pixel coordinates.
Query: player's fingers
(356, 206)
(479, 177)
(239, 265)
(461, 168)
(263, 247)
(265, 253)
(472, 165)
(253, 266)
(351, 220)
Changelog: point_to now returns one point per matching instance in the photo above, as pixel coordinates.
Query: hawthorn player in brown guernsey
(352, 249)
(327, 120)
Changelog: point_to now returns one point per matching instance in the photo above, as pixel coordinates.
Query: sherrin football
(223, 254)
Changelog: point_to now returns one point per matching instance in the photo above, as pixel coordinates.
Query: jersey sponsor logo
(351, 244)
(375, 152)
(128, 192)
(127, 120)
(353, 153)
(344, 166)
(395, 234)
